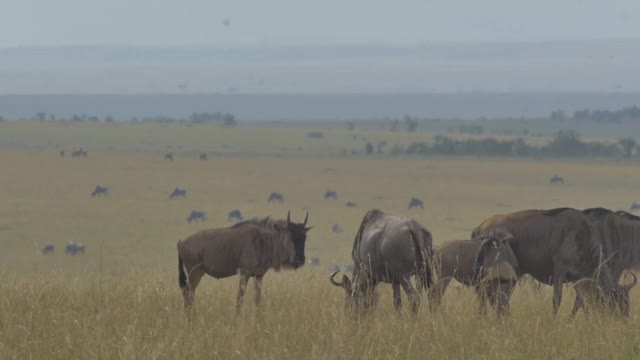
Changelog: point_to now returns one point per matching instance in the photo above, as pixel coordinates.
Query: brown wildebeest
(454, 260)
(554, 246)
(248, 248)
(388, 249)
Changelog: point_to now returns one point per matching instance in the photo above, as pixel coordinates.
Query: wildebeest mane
(628, 216)
(597, 212)
(271, 240)
(557, 211)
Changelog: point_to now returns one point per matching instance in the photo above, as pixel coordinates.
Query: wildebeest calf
(100, 190)
(177, 192)
(197, 215)
(249, 248)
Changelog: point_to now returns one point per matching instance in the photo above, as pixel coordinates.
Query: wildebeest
(351, 204)
(203, 156)
(587, 291)
(79, 153)
(249, 248)
(74, 248)
(168, 156)
(100, 190)
(634, 206)
(331, 194)
(337, 229)
(455, 259)
(553, 246)
(197, 215)
(415, 202)
(177, 192)
(388, 249)
(314, 261)
(275, 196)
(48, 249)
(235, 215)
(61, 153)
(555, 179)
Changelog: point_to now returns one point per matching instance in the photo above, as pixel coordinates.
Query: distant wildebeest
(331, 194)
(275, 196)
(553, 246)
(100, 190)
(197, 215)
(634, 206)
(74, 248)
(415, 202)
(555, 179)
(79, 153)
(235, 215)
(351, 204)
(61, 153)
(337, 229)
(203, 156)
(48, 249)
(168, 156)
(177, 192)
(454, 260)
(314, 261)
(249, 248)
(388, 249)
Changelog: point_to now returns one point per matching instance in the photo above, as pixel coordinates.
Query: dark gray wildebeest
(168, 156)
(235, 215)
(555, 179)
(275, 196)
(553, 246)
(100, 190)
(74, 248)
(203, 156)
(331, 194)
(337, 229)
(177, 192)
(197, 215)
(620, 235)
(79, 153)
(454, 260)
(351, 204)
(249, 249)
(48, 249)
(635, 206)
(388, 249)
(415, 202)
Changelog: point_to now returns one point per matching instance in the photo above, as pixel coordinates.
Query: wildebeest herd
(592, 249)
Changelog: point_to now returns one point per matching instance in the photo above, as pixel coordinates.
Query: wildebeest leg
(436, 294)
(558, 278)
(579, 303)
(411, 293)
(483, 292)
(189, 292)
(244, 279)
(397, 300)
(258, 284)
(504, 292)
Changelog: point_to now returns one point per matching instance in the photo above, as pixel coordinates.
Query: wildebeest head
(617, 300)
(495, 260)
(298, 236)
(359, 293)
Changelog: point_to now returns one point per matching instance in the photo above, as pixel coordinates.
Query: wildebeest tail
(423, 256)
(182, 275)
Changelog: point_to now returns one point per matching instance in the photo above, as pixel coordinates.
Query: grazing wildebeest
(48, 249)
(100, 190)
(587, 291)
(554, 246)
(314, 261)
(197, 215)
(74, 248)
(337, 229)
(388, 249)
(168, 156)
(235, 215)
(275, 196)
(351, 204)
(203, 156)
(331, 194)
(555, 179)
(177, 192)
(634, 206)
(454, 260)
(415, 202)
(249, 248)
(79, 153)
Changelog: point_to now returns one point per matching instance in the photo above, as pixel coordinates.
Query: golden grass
(121, 299)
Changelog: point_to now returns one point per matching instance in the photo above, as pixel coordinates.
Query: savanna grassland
(121, 299)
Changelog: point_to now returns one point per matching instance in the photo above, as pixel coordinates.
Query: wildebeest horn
(289, 217)
(333, 280)
(304, 223)
(635, 281)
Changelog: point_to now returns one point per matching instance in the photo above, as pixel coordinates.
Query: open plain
(121, 298)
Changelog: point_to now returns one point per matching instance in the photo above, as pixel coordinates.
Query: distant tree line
(225, 119)
(631, 113)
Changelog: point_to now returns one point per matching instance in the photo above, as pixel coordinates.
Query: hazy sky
(304, 22)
